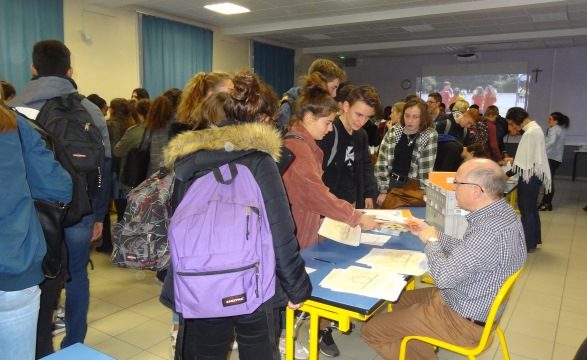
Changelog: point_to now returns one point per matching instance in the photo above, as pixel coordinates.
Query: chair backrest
(498, 307)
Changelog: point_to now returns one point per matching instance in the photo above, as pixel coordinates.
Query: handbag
(51, 216)
(137, 162)
(408, 195)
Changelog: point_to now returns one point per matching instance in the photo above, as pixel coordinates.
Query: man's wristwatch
(432, 239)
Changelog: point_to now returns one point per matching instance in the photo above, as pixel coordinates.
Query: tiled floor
(546, 317)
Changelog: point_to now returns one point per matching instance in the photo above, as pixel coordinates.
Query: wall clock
(406, 84)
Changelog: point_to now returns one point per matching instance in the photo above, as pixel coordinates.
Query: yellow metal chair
(491, 327)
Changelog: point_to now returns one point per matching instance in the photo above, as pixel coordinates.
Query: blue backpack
(221, 246)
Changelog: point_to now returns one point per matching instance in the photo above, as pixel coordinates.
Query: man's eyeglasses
(455, 183)
(431, 102)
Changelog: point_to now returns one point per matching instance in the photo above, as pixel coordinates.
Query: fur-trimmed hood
(241, 137)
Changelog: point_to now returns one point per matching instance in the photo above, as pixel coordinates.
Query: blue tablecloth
(336, 255)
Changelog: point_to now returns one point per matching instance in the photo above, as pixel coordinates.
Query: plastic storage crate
(441, 205)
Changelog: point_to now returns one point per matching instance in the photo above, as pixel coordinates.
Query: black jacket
(462, 135)
(256, 146)
(364, 177)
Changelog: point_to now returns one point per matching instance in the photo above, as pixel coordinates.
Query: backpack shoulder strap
(447, 126)
(233, 173)
(334, 147)
(291, 135)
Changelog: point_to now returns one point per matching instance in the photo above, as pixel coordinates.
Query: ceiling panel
(351, 23)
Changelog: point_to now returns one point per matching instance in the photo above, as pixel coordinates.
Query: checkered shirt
(423, 156)
(470, 271)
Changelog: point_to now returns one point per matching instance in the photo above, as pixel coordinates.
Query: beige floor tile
(100, 308)
(147, 356)
(519, 357)
(529, 296)
(531, 311)
(151, 308)
(551, 279)
(130, 297)
(145, 334)
(528, 346)
(562, 351)
(575, 293)
(118, 349)
(95, 336)
(549, 288)
(570, 336)
(352, 345)
(534, 327)
(119, 322)
(578, 306)
(573, 320)
(164, 318)
(57, 341)
(162, 348)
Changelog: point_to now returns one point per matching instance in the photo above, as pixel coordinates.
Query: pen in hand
(326, 261)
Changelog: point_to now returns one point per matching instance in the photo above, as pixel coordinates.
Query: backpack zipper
(218, 272)
(257, 280)
(248, 212)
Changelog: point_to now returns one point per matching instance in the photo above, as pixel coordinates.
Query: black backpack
(69, 131)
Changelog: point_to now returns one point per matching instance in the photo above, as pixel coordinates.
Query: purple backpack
(221, 246)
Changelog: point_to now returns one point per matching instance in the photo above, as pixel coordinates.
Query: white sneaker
(300, 351)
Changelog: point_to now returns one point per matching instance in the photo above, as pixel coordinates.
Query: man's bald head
(487, 173)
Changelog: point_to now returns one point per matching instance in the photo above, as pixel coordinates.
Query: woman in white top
(531, 165)
(555, 146)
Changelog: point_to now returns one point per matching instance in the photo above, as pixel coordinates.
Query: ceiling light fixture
(418, 28)
(549, 17)
(227, 8)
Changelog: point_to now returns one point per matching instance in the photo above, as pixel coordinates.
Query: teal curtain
(22, 24)
(172, 53)
(275, 65)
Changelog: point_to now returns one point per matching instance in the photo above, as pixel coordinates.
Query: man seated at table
(468, 272)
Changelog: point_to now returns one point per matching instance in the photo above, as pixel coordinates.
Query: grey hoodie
(285, 109)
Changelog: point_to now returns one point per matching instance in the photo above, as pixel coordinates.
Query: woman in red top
(489, 97)
(309, 197)
(477, 97)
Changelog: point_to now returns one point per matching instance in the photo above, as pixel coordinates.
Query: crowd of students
(331, 172)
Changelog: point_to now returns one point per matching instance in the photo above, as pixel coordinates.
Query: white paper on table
(340, 232)
(309, 270)
(375, 283)
(386, 215)
(374, 239)
(398, 261)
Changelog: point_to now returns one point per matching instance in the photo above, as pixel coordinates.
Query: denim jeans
(553, 164)
(19, 311)
(527, 203)
(77, 289)
(210, 339)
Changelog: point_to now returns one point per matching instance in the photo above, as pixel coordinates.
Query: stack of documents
(391, 225)
(375, 283)
(397, 261)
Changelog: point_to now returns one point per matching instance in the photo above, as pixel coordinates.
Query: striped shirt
(470, 271)
(423, 156)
